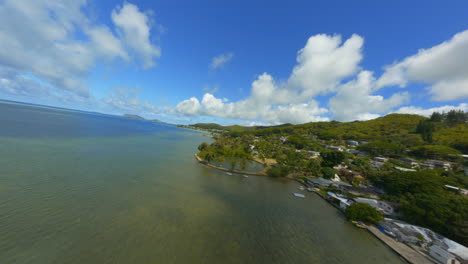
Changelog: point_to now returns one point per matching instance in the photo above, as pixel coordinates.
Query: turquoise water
(89, 188)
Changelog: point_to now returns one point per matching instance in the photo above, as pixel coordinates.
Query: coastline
(201, 161)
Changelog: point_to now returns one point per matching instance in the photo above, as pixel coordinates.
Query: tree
(434, 152)
(382, 148)
(437, 117)
(425, 128)
(313, 166)
(328, 172)
(363, 212)
(332, 158)
(203, 146)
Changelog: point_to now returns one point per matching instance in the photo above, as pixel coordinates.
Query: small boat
(228, 173)
(246, 176)
(301, 188)
(299, 195)
(310, 189)
(360, 224)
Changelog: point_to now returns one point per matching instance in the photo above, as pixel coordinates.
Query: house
(381, 159)
(376, 164)
(339, 200)
(426, 165)
(412, 162)
(352, 142)
(314, 153)
(319, 182)
(381, 206)
(353, 151)
(403, 169)
(439, 164)
(335, 148)
(442, 255)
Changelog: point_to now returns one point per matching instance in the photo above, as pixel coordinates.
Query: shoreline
(201, 161)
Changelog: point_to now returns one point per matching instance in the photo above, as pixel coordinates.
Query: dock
(409, 254)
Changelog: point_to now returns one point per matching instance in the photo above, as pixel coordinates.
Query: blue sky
(244, 62)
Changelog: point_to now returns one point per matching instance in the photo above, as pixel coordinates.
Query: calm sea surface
(90, 188)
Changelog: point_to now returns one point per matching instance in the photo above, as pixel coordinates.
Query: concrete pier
(409, 254)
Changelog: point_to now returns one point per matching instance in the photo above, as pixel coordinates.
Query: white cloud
(134, 28)
(39, 38)
(354, 100)
(429, 111)
(323, 63)
(211, 89)
(221, 60)
(126, 101)
(321, 66)
(443, 67)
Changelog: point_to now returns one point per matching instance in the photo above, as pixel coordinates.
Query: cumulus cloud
(39, 38)
(443, 67)
(354, 100)
(322, 65)
(221, 60)
(429, 111)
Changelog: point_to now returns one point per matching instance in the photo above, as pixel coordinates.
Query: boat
(301, 188)
(310, 189)
(228, 173)
(360, 224)
(246, 176)
(299, 195)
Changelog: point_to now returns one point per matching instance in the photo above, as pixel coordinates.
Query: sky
(237, 62)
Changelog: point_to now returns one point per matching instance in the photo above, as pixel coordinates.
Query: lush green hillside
(400, 129)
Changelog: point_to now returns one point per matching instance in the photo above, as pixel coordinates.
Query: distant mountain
(133, 116)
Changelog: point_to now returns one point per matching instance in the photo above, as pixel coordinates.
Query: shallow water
(89, 188)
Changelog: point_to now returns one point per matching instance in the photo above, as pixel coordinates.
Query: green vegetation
(423, 199)
(363, 212)
(383, 148)
(425, 202)
(277, 172)
(434, 152)
(332, 158)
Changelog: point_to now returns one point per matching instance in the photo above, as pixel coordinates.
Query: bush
(363, 212)
(277, 172)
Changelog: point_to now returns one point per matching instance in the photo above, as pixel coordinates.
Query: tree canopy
(363, 212)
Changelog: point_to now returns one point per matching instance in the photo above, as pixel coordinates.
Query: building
(412, 162)
(442, 255)
(381, 159)
(376, 164)
(339, 200)
(381, 206)
(319, 182)
(314, 153)
(352, 142)
(440, 164)
(335, 148)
